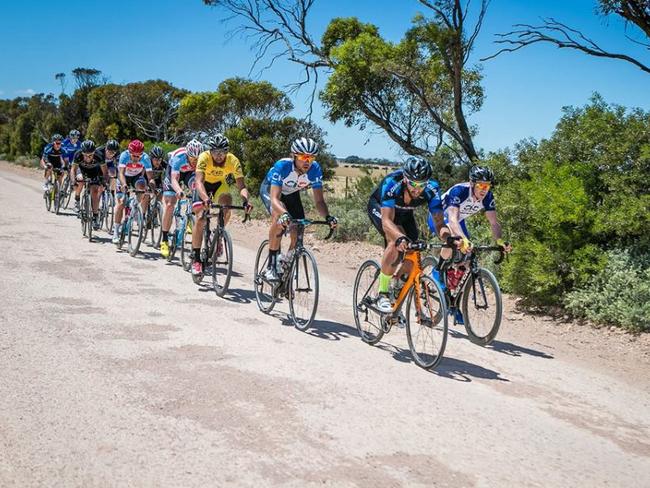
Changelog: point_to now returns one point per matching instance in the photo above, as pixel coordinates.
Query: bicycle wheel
(110, 212)
(186, 244)
(135, 231)
(482, 307)
(48, 197)
(156, 224)
(57, 196)
(303, 289)
(83, 216)
(89, 216)
(365, 288)
(222, 263)
(426, 323)
(67, 187)
(264, 291)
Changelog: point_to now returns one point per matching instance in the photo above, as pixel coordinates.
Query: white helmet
(304, 145)
(194, 148)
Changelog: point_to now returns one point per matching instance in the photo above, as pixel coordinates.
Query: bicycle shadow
(449, 367)
(507, 348)
(235, 295)
(330, 330)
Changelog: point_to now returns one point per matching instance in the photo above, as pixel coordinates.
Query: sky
(187, 44)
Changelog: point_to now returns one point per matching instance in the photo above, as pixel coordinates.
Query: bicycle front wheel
(303, 290)
(156, 224)
(48, 197)
(135, 231)
(88, 216)
(264, 291)
(57, 196)
(482, 307)
(222, 263)
(186, 243)
(426, 323)
(367, 320)
(67, 190)
(110, 212)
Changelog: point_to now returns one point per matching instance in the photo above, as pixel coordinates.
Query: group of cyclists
(208, 171)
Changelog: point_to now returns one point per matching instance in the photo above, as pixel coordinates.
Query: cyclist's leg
(293, 203)
(224, 197)
(120, 197)
(406, 221)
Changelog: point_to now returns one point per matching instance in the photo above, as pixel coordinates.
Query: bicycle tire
(437, 325)
(57, 197)
(47, 196)
(110, 212)
(265, 301)
(186, 244)
(89, 216)
(136, 233)
(222, 274)
(82, 213)
(473, 333)
(309, 285)
(68, 190)
(359, 305)
(156, 225)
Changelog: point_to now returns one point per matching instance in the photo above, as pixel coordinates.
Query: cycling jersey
(390, 193)
(159, 171)
(460, 196)
(179, 162)
(95, 163)
(70, 149)
(283, 173)
(53, 156)
(133, 168)
(228, 172)
(101, 151)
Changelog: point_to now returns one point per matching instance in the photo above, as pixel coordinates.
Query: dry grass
(351, 173)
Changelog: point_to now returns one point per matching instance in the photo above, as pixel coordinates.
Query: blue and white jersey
(133, 168)
(53, 155)
(460, 196)
(70, 149)
(178, 161)
(284, 174)
(391, 190)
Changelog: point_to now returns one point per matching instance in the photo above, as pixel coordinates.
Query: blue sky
(184, 42)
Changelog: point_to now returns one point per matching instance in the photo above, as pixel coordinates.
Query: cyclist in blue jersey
(390, 209)
(53, 158)
(181, 167)
(280, 193)
(71, 145)
(462, 201)
(134, 171)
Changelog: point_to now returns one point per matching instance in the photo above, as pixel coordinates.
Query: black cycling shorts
(291, 201)
(403, 218)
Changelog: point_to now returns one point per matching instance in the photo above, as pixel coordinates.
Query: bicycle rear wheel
(186, 244)
(264, 291)
(482, 307)
(303, 289)
(156, 224)
(88, 216)
(110, 212)
(426, 323)
(222, 262)
(83, 213)
(367, 320)
(135, 231)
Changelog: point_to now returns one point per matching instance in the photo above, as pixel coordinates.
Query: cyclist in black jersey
(53, 157)
(89, 163)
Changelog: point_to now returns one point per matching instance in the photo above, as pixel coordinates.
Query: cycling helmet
(74, 133)
(112, 145)
(218, 142)
(304, 145)
(136, 147)
(481, 173)
(57, 137)
(156, 152)
(194, 148)
(417, 169)
(87, 146)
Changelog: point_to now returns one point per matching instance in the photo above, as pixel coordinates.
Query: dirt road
(117, 371)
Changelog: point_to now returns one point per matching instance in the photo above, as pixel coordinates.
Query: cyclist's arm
(491, 215)
(199, 179)
(319, 200)
(453, 223)
(243, 191)
(439, 221)
(150, 179)
(122, 178)
(104, 168)
(390, 228)
(276, 204)
(176, 182)
(74, 169)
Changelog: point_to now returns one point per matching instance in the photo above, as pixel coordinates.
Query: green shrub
(618, 295)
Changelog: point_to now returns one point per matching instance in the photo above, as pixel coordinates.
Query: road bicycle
(216, 249)
(298, 277)
(67, 190)
(182, 214)
(132, 230)
(474, 291)
(107, 208)
(153, 220)
(418, 303)
(85, 208)
(53, 196)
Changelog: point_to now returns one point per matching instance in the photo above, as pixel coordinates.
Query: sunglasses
(57, 143)
(417, 184)
(305, 158)
(135, 155)
(482, 186)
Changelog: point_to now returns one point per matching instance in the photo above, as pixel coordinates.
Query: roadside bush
(618, 295)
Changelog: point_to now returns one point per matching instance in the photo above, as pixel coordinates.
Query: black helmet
(218, 142)
(87, 146)
(304, 145)
(417, 169)
(57, 137)
(112, 145)
(481, 173)
(74, 133)
(156, 152)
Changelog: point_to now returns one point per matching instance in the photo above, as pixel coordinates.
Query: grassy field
(347, 174)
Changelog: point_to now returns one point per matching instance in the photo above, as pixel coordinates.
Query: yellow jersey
(226, 173)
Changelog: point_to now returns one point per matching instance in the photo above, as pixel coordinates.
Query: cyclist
(216, 171)
(70, 147)
(462, 201)
(109, 152)
(134, 171)
(280, 193)
(390, 209)
(181, 167)
(89, 163)
(53, 158)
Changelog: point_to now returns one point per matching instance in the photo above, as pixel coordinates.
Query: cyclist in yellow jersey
(216, 171)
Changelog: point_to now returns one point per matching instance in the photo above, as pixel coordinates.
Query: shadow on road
(331, 331)
(507, 347)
